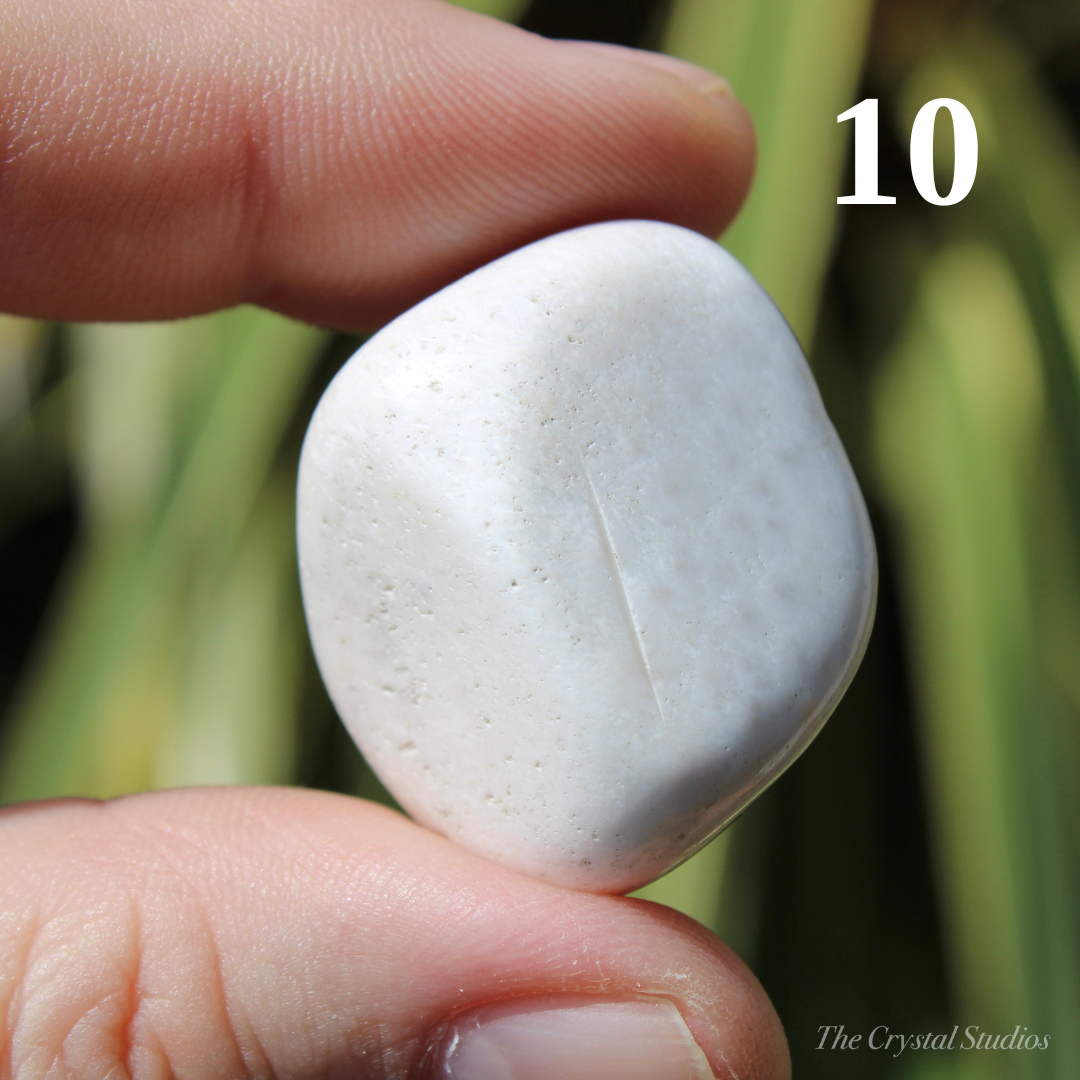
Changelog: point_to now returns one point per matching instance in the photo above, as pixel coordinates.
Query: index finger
(332, 159)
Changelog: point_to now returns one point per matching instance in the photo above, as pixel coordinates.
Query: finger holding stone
(284, 932)
(335, 160)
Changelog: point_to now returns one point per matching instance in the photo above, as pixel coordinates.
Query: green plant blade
(106, 685)
(795, 64)
(959, 417)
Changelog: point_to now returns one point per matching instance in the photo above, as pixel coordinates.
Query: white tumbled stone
(584, 563)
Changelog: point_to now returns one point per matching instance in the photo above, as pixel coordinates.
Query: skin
(277, 932)
(336, 161)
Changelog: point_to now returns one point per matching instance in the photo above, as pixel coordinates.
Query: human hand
(275, 932)
(337, 162)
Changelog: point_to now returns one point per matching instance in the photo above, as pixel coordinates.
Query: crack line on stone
(620, 585)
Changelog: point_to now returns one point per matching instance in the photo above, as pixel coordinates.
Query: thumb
(262, 933)
(334, 159)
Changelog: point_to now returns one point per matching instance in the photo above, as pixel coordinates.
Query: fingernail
(707, 82)
(572, 1038)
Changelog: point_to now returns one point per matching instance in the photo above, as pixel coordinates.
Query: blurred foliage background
(919, 867)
